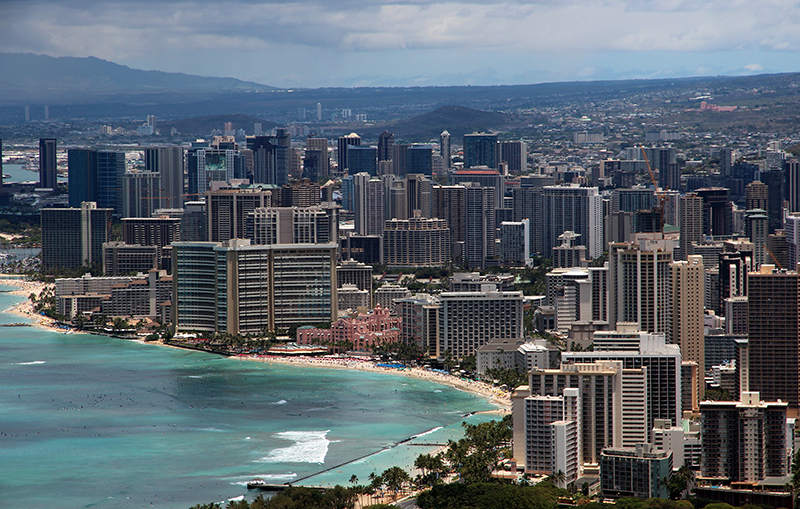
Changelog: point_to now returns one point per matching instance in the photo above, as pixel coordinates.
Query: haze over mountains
(90, 88)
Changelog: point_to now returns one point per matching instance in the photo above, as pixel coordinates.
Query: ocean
(91, 421)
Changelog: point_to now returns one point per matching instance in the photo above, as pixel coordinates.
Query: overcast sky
(318, 43)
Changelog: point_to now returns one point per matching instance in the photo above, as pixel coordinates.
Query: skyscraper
(362, 159)
(576, 209)
(72, 237)
(228, 210)
(773, 335)
(341, 155)
(110, 172)
(449, 202)
(444, 148)
(168, 163)
(691, 223)
(688, 311)
(639, 284)
(316, 162)
(515, 155)
(419, 159)
(717, 211)
(48, 170)
(480, 149)
(791, 168)
(479, 241)
(774, 181)
(82, 174)
(385, 144)
(271, 157)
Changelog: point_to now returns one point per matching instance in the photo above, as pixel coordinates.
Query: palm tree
(395, 478)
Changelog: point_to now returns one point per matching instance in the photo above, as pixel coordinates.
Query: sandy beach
(23, 288)
(24, 309)
(493, 394)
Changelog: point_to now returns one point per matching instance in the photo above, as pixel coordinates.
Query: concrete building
(120, 258)
(288, 225)
(419, 322)
(663, 363)
(567, 254)
(639, 283)
(515, 242)
(386, 295)
(228, 209)
(576, 209)
(237, 288)
(691, 223)
(635, 472)
(479, 225)
(416, 242)
(475, 282)
(72, 237)
(469, 320)
(744, 441)
(350, 297)
(773, 332)
(688, 311)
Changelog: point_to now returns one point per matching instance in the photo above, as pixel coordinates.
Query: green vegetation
(490, 496)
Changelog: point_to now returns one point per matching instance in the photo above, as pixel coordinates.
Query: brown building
(300, 193)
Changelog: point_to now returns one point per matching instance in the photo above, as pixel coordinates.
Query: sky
(348, 43)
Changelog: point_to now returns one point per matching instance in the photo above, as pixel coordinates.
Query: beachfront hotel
(237, 288)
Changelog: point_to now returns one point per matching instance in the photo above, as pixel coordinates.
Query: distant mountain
(458, 120)
(27, 76)
(202, 126)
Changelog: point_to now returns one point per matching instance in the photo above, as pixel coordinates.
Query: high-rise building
(385, 144)
(316, 162)
(515, 155)
(791, 169)
(639, 284)
(480, 149)
(486, 177)
(416, 242)
(635, 472)
(756, 195)
(238, 288)
(419, 159)
(469, 320)
(688, 311)
(733, 269)
(744, 441)
(140, 194)
(48, 169)
(756, 223)
(528, 205)
(168, 163)
(271, 157)
(110, 172)
(480, 230)
(227, 211)
(576, 209)
(450, 204)
(691, 223)
(82, 174)
(773, 334)
(444, 149)
(151, 231)
(289, 225)
(72, 237)
(300, 193)
(775, 181)
(515, 242)
(342, 143)
(419, 195)
(636, 350)
(205, 165)
(717, 211)
(362, 159)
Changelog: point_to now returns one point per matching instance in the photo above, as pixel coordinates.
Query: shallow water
(91, 421)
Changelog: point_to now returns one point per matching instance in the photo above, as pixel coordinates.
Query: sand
(24, 309)
(496, 396)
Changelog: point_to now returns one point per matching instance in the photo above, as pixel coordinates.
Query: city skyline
(409, 43)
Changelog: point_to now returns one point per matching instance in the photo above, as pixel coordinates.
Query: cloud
(754, 67)
(295, 37)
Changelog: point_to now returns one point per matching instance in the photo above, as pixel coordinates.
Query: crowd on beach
(24, 309)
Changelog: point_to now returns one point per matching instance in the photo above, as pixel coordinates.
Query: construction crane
(769, 252)
(662, 198)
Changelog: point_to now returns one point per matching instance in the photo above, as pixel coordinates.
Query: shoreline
(23, 288)
(24, 309)
(484, 390)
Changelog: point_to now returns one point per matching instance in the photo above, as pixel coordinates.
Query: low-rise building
(365, 331)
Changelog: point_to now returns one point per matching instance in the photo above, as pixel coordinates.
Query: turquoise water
(90, 421)
(18, 173)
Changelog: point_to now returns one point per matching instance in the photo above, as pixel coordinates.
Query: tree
(395, 478)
